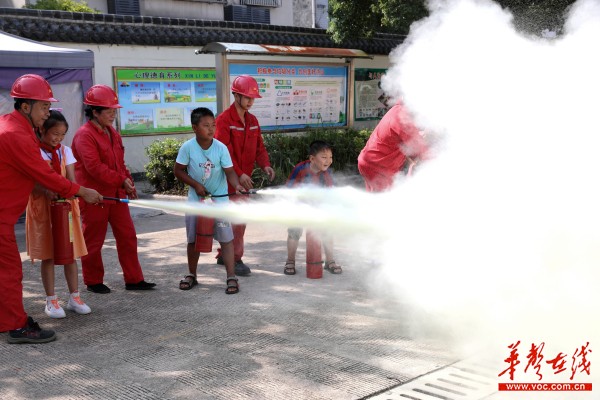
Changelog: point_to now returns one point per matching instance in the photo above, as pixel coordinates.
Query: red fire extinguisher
(205, 229)
(314, 262)
(61, 220)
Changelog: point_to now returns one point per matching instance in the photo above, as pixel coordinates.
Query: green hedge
(285, 151)
(159, 170)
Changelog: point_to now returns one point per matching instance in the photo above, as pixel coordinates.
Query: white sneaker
(53, 309)
(76, 304)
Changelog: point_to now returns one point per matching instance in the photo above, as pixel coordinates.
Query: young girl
(37, 223)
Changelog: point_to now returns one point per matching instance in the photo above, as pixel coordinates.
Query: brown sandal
(188, 282)
(290, 268)
(332, 267)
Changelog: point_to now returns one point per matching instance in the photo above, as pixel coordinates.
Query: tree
(537, 16)
(364, 18)
(62, 5)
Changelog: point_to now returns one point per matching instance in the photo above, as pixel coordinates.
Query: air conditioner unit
(247, 14)
(208, 1)
(124, 7)
(262, 3)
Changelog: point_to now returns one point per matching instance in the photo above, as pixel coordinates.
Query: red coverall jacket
(244, 141)
(393, 140)
(100, 162)
(20, 167)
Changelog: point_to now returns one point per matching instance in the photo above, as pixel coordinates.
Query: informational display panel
(370, 102)
(160, 100)
(297, 95)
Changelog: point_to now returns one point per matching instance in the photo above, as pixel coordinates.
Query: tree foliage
(537, 16)
(62, 5)
(364, 18)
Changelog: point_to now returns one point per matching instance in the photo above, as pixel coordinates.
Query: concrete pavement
(281, 337)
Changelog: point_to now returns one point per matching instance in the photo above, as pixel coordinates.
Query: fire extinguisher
(61, 219)
(314, 262)
(205, 229)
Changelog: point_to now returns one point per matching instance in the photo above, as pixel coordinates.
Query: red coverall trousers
(375, 181)
(238, 234)
(12, 313)
(95, 220)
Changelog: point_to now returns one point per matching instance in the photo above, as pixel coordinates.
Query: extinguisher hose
(111, 198)
(251, 191)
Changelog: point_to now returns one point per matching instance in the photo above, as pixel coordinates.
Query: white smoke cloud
(503, 238)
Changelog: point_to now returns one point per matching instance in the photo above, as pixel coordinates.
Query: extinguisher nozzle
(116, 199)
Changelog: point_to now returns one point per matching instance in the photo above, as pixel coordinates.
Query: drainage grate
(464, 380)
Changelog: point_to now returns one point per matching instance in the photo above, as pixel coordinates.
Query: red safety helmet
(32, 87)
(246, 86)
(101, 96)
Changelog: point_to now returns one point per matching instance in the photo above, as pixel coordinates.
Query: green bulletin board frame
(370, 102)
(158, 101)
(297, 95)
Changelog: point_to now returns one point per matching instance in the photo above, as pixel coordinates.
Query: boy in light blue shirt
(204, 164)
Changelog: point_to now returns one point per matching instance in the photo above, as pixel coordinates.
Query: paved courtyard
(281, 337)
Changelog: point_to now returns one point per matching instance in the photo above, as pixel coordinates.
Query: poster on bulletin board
(297, 95)
(160, 100)
(370, 102)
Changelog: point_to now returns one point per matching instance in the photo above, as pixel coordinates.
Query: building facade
(301, 13)
(148, 41)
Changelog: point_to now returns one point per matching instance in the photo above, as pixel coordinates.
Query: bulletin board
(297, 95)
(370, 102)
(160, 100)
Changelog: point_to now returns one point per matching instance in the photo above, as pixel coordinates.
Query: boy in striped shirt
(314, 171)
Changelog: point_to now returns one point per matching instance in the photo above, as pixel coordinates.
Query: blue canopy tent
(69, 71)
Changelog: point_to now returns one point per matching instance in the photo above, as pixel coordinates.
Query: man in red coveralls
(100, 156)
(240, 132)
(394, 146)
(20, 167)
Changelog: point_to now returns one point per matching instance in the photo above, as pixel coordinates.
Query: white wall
(283, 15)
(376, 62)
(12, 3)
(100, 5)
(182, 9)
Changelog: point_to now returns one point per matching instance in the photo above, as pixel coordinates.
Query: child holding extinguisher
(40, 242)
(204, 164)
